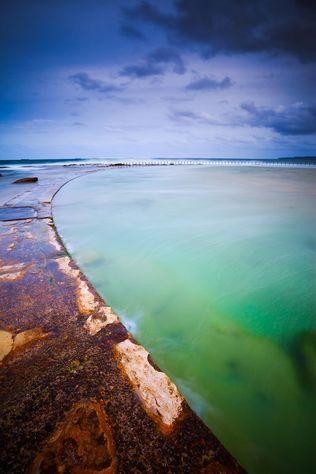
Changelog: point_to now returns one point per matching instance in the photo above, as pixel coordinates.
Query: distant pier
(223, 163)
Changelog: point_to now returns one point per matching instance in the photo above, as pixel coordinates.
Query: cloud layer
(88, 83)
(232, 27)
(147, 78)
(208, 83)
(297, 119)
(156, 63)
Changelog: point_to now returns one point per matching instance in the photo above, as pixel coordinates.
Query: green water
(214, 271)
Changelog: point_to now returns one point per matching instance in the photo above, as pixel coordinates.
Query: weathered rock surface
(30, 179)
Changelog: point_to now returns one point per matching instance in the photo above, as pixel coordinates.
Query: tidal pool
(214, 271)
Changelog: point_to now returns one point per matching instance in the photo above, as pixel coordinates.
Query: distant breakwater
(253, 163)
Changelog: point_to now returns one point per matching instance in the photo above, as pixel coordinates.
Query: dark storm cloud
(131, 32)
(156, 64)
(294, 120)
(228, 26)
(142, 70)
(168, 56)
(88, 83)
(208, 83)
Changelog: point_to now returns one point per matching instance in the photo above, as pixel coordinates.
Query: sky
(143, 79)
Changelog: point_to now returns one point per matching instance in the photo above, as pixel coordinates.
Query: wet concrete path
(77, 393)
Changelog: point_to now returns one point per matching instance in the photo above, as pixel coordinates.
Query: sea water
(214, 271)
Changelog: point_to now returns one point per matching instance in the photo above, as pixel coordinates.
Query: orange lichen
(82, 444)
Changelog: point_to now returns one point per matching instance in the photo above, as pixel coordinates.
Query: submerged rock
(31, 179)
(304, 352)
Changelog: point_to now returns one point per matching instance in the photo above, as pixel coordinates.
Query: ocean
(213, 269)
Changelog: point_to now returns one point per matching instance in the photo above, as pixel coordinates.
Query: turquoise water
(214, 271)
